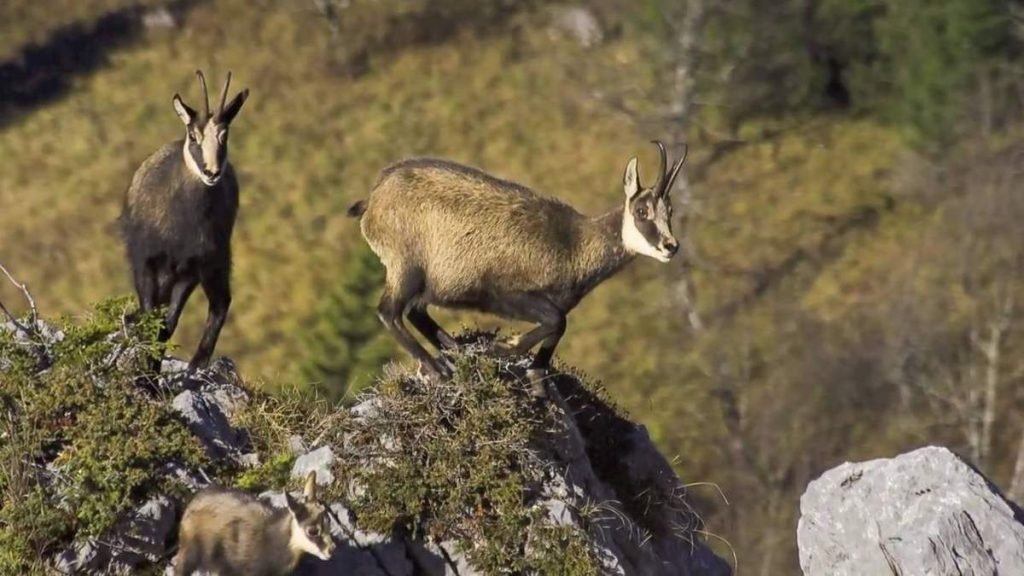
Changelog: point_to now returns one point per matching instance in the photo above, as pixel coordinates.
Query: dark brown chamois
(178, 215)
(456, 237)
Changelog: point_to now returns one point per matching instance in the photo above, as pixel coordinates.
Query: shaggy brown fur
(178, 215)
(454, 236)
(232, 532)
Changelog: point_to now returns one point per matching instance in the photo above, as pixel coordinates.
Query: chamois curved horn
(206, 95)
(675, 171)
(224, 93)
(662, 167)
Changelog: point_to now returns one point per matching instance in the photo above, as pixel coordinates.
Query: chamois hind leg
(399, 291)
(431, 330)
(217, 287)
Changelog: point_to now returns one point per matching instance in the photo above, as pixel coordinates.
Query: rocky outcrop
(600, 458)
(924, 512)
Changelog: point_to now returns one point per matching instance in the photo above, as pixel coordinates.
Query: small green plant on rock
(81, 441)
(461, 461)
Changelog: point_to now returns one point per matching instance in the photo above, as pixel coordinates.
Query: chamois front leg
(151, 296)
(217, 287)
(553, 329)
(551, 326)
(145, 277)
(180, 291)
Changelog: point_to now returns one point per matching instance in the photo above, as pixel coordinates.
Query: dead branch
(33, 311)
(39, 344)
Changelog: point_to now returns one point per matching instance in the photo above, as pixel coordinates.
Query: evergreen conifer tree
(347, 345)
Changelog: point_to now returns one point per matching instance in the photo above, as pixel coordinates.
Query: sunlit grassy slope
(25, 23)
(309, 142)
(306, 145)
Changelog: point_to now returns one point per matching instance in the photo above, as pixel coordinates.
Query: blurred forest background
(852, 284)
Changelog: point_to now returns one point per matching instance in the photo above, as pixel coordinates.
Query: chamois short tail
(357, 209)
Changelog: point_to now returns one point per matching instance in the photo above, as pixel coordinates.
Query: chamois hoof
(510, 347)
(448, 344)
(538, 382)
(439, 373)
(503, 349)
(197, 365)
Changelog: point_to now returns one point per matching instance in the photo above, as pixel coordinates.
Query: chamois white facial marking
(301, 542)
(206, 135)
(644, 208)
(635, 242)
(205, 152)
(309, 529)
(190, 163)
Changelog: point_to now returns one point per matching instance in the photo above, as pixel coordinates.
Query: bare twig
(33, 311)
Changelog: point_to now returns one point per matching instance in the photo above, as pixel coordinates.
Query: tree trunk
(988, 414)
(1016, 492)
(680, 110)
(991, 349)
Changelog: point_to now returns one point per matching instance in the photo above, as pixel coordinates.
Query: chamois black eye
(641, 212)
(313, 532)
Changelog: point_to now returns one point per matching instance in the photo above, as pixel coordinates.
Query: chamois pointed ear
(231, 110)
(309, 491)
(187, 114)
(631, 179)
(293, 506)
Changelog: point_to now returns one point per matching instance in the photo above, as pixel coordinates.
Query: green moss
(82, 441)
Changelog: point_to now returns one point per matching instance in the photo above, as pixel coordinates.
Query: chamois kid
(178, 215)
(453, 236)
(231, 532)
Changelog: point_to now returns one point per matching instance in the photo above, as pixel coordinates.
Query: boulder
(138, 540)
(320, 461)
(209, 398)
(924, 512)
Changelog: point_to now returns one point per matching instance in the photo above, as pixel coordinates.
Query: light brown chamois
(178, 215)
(453, 236)
(232, 532)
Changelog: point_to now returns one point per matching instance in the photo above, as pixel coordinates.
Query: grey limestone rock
(925, 512)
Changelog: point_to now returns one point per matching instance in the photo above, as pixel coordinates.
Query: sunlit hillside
(33, 23)
(853, 269)
(306, 145)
